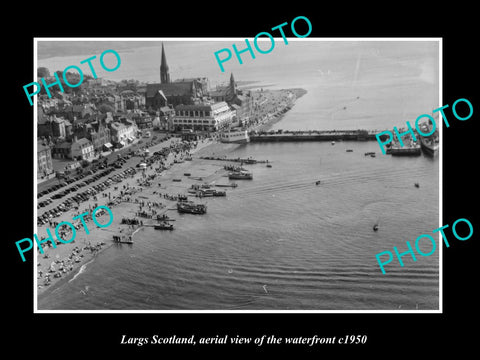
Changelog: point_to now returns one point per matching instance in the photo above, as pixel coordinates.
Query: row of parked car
(60, 185)
(84, 195)
(73, 188)
(117, 164)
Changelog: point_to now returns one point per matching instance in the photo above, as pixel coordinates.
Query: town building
(59, 127)
(99, 134)
(240, 101)
(143, 120)
(123, 132)
(62, 150)
(203, 117)
(82, 149)
(44, 160)
(166, 116)
(132, 100)
(44, 126)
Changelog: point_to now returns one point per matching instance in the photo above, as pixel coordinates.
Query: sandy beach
(130, 196)
(66, 260)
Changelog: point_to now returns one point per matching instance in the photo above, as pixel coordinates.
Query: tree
(43, 72)
(106, 107)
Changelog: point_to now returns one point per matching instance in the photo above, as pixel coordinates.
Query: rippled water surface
(279, 241)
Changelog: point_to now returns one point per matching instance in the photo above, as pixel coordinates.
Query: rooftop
(170, 89)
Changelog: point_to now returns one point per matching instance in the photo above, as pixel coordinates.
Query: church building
(168, 93)
(239, 100)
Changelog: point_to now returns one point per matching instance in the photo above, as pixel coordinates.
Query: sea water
(280, 242)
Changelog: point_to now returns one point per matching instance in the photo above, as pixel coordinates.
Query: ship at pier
(235, 136)
(430, 144)
(412, 149)
(408, 146)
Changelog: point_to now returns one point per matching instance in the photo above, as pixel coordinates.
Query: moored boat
(233, 185)
(122, 239)
(164, 217)
(235, 136)
(240, 175)
(430, 145)
(210, 193)
(191, 208)
(163, 226)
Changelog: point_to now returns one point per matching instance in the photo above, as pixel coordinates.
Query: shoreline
(75, 256)
(70, 257)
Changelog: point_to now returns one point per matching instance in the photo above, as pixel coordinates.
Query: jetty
(314, 135)
(238, 160)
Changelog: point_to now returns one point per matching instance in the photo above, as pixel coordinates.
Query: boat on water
(269, 165)
(210, 193)
(408, 150)
(317, 182)
(232, 185)
(375, 227)
(417, 185)
(164, 217)
(233, 168)
(204, 193)
(163, 226)
(122, 239)
(190, 207)
(430, 145)
(235, 136)
(240, 175)
(410, 147)
(349, 150)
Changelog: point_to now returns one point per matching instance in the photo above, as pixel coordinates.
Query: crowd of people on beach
(125, 193)
(61, 267)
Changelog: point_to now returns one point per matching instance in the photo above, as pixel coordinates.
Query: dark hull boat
(163, 226)
(191, 208)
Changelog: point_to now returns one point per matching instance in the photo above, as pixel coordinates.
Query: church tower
(164, 74)
(231, 90)
(233, 86)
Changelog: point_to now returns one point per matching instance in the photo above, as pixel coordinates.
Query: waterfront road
(131, 162)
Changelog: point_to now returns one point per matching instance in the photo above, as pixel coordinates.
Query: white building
(82, 149)
(123, 133)
(205, 117)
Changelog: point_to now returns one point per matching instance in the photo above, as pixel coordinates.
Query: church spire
(232, 87)
(164, 74)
